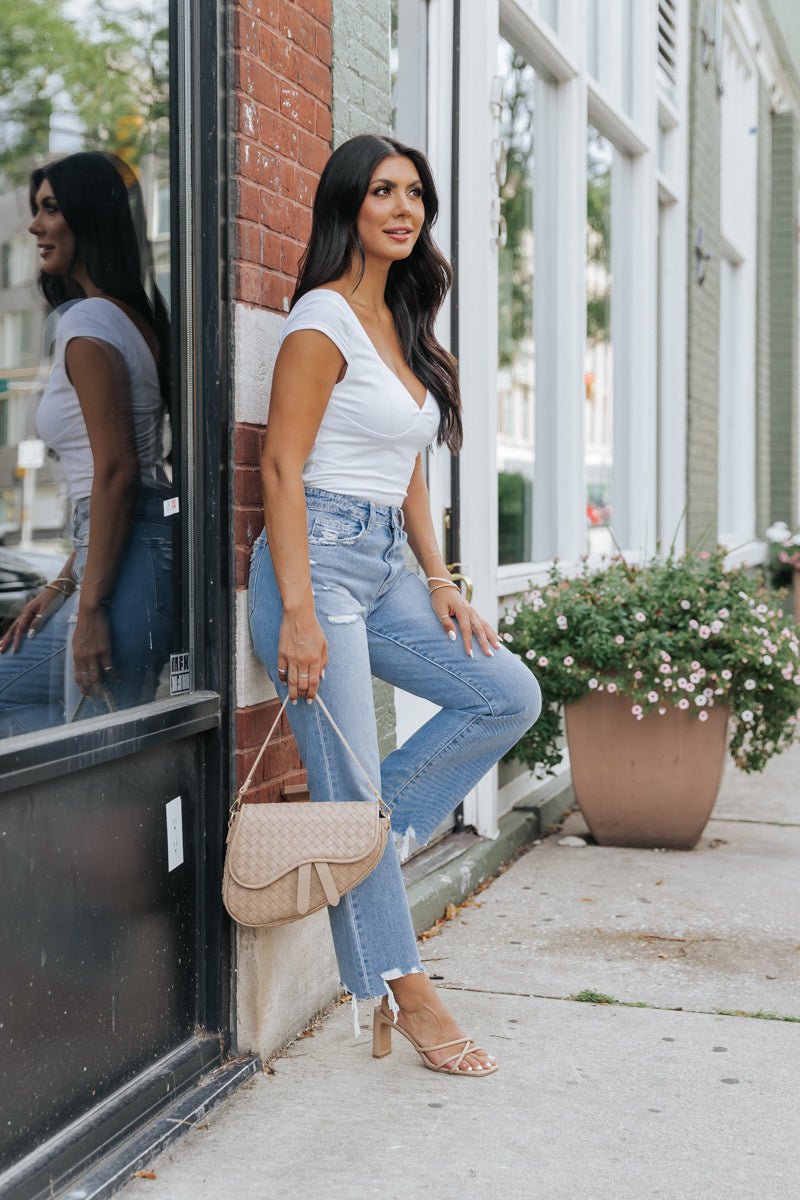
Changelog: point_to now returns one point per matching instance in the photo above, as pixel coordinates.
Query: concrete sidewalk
(657, 1096)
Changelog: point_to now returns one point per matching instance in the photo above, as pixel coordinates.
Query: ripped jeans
(377, 617)
(37, 685)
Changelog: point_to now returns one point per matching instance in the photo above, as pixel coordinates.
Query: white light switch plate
(174, 834)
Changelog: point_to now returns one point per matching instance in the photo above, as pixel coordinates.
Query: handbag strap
(237, 802)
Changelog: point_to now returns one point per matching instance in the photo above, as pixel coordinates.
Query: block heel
(381, 1035)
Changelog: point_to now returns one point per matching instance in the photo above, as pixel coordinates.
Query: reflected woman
(97, 636)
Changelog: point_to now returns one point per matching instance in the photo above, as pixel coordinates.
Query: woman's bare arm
(307, 369)
(100, 378)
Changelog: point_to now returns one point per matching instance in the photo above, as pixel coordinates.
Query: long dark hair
(95, 192)
(416, 286)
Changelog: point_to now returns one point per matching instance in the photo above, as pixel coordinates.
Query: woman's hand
(302, 654)
(31, 618)
(452, 609)
(91, 650)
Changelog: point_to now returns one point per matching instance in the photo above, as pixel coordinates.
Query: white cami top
(373, 429)
(60, 420)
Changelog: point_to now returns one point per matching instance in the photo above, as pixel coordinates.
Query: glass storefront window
(516, 358)
(598, 366)
(88, 372)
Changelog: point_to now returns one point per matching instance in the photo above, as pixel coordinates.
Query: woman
(100, 632)
(360, 388)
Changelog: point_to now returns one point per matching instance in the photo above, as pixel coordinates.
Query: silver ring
(302, 674)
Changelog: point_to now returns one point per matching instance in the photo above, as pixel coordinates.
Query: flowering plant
(784, 553)
(678, 631)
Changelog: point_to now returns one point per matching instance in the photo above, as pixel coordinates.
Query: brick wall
(280, 143)
(702, 383)
(785, 309)
(362, 96)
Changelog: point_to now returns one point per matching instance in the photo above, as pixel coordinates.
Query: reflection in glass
(515, 373)
(83, 75)
(598, 369)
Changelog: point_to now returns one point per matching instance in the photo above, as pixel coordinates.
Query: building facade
(619, 188)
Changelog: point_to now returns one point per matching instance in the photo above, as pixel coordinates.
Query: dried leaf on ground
(144, 1175)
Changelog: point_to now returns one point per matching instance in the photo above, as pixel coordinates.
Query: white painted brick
(253, 685)
(255, 334)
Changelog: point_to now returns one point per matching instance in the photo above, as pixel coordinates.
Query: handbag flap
(269, 840)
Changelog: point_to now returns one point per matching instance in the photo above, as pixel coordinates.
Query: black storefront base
(156, 1105)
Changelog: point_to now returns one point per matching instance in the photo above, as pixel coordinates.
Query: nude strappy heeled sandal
(382, 1027)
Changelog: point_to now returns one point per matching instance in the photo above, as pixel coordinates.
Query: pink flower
(704, 631)
(640, 616)
(569, 660)
(619, 639)
(508, 637)
(665, 668)
(703, 716)
(683, 702)
(530, 654)
(637, 674)
(611, 687)
(593, 684)
(543, 661)
(686, 604)
(637, 710)
(652, 697)
(662, 712)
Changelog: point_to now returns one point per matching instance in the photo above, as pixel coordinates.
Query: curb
(429, 897)
(118, 1168)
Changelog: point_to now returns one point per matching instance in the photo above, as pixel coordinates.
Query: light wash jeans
(377, 617)
(37, 688)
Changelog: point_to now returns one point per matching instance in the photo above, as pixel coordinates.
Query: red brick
(265, 10)
(321, 9)
(279, 214)
(312, 75)
(305, 186)
(242, 566)
(247, 524)
(247, 445)
(288, 180)
(304, 224)
(324, 123)
(245, 32)
(279, 135)
(322, 46)
(247, 486)
(275, 52)
(247, 201)
(248, 241)
(248, 117)
(257, 82)
(270, 250)
(297, 106)
(290, 257)
(312, 152)
(280, 757)
(277, 292)
(252, 724)
(299, 26)
(247, 283)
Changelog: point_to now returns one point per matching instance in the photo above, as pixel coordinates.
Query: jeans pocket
(159, 553)
(335, 529)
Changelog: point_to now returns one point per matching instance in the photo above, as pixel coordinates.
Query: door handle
(459, 578)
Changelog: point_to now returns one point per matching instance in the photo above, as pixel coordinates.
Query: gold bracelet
(62, 590)
(439, 579)
(439, 587)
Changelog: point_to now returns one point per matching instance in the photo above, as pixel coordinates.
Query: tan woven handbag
(284, 861)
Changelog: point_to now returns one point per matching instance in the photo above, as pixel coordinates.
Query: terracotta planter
(645, 783)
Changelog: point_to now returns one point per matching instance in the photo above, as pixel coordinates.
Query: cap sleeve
(325, 311)
(90, 320)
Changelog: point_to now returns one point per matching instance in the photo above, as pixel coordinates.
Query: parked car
(22, 575)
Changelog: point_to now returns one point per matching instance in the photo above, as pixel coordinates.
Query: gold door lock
(460, 579)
